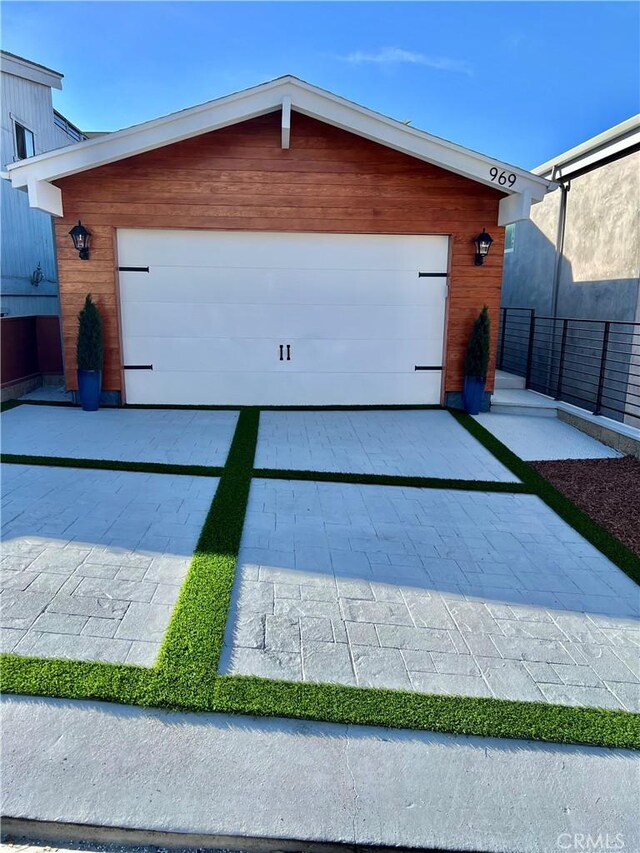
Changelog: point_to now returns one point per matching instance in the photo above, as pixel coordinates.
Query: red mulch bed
(608, 490)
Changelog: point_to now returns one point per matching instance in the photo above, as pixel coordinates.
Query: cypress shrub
(90, 347)
(476, 359)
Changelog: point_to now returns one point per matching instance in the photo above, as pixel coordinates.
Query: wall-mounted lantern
(483, 244)
(81, 239)
(37, 275)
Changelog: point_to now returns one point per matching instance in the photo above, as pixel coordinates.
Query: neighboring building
(280, 245)
(579, 254)
(30, 126)
(578, 258)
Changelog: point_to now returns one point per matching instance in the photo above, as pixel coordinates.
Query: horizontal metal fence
(593, 364)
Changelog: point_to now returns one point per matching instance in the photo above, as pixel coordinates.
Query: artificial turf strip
(392, 480)
(166, 687)
(466, 715)
(185, 676)
(112, 465)
(268, 473)
(191, 650)
(600, 538)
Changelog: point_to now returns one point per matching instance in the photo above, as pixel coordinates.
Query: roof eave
(19, 66)
(616, 139)
(268, 97)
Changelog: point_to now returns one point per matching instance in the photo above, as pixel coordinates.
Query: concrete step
(509, 380)
(516, 401)
(533, 411)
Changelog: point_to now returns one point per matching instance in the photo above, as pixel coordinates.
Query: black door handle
(281, 353)
(288, 352)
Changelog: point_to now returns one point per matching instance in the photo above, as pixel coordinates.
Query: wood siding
(239, 178)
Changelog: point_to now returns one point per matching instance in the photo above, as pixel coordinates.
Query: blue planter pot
(89, 386)
(473, 394)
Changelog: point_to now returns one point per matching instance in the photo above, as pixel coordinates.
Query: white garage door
(246, 318)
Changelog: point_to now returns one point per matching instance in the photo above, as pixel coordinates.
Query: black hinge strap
(137, 367)
(133, 269)
(428, 367)
(433, 275)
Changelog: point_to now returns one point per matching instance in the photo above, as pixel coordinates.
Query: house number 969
(502, 178)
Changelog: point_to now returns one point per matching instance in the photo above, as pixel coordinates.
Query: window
(25, 142)
(510, 238)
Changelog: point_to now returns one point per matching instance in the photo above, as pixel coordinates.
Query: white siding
(27, 234)
(31, 104)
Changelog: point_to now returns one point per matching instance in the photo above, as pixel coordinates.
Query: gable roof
(283, 93)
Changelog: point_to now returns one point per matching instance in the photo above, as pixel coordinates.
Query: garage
(281, 245)
(236, 318)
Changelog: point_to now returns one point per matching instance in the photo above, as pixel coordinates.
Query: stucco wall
(601, 259)
(528, 269)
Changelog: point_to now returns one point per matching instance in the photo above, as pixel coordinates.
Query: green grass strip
(168, 687)
(452, 714)
(392, 480)
(191, 651)
(9, 404)
(72, 679)
(600, 538)
(112, 465)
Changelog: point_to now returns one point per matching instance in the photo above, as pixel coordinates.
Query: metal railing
(70, 129)
(593, 364)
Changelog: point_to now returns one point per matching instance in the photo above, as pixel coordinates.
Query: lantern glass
(81, 239)
(483, 243)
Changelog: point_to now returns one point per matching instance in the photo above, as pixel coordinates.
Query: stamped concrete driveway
(418, 443)
(437, 591)
(432, 590)
(129, 435)
(93, 561)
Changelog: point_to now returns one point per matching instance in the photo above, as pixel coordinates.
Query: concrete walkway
(244, 777)
(536, 438)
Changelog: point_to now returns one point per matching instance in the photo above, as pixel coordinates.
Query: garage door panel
(215, 307)
(293, 322)
(245, 285)
(293, 389)
(274, 250)
(241, 355)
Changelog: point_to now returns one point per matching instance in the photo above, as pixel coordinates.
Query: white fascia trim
(286, 122)
(18, 67)
(613, 141)
(269, 97)
(327, 107)
(62, 162)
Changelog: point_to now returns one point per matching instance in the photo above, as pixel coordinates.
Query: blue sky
(518, 81)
